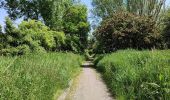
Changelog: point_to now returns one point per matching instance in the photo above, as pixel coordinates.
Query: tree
(1, 38)
(104, 8)
(166, 31)
(0, 29)
(30, 36)
(76, 24)
(50, 11)
(125, 30)
(12, 35)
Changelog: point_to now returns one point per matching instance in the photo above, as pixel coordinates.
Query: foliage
(76, 26)
(0, 29)
(72, 44)
(30, 36)
(1, 36)
(125, 30)
(137, 75)
(104, 8)
(50, 11)
(66, 16)
(166, 32)
(36, 32)
(37, 76)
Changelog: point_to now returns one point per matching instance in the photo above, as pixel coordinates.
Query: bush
(37, 31)
(137, 75)
(37, 76)
(30, 36)
(60, 40)
(125, 30)
(19, 50)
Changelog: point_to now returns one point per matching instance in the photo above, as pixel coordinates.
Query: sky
(3, 13)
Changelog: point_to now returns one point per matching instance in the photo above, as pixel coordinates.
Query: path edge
(65, 93)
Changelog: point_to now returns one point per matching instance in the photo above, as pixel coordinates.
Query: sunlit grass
(141, 75)
(37, 76)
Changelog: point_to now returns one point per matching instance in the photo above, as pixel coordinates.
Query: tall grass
(137, 75)
(37, 76)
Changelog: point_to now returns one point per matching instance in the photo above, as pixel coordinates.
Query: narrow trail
(89, 86)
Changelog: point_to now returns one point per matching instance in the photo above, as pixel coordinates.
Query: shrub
(60, 40)
(125, 30)
(37, 31)
(42, 36)
(30, 36)
(137, 75)
(19, 50)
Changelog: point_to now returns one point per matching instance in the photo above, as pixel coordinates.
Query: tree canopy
(49, 11)
(104, 8)
(76, 25)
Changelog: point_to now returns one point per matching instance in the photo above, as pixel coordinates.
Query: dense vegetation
(138, 24)
(37, 76)
(166, 30)
(104, 8)
(137, 75)
(76, 28)
(125, 30)
(141, 25)
(30, 68)
(64, 23)
(31, 36)
(50, 11)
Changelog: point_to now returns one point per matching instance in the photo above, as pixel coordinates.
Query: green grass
(37, 76)
(137, 75)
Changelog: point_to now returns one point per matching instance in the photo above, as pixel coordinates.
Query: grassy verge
(37, 76)
(137, 75)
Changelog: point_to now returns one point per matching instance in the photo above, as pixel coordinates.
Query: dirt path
(89, 86)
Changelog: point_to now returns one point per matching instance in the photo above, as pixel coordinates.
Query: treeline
(47, 26)
(137, 24)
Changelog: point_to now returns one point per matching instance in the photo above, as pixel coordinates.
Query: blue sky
(3, 13)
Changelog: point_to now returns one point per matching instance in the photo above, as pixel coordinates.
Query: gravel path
(90, 86)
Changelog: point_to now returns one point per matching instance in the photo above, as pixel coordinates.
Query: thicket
(68, 16)
(30, 36)
(40, 76)
(137, 75)
(126, 30)
(34, 36)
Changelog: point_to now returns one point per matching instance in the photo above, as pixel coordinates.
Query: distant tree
(0, 29)
(12, 35)
(166, 32)
(76, 24)
(1, 38)
(104, 8)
